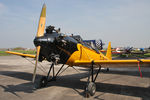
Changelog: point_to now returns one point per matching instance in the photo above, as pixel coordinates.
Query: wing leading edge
(21, 54)
(79, 62)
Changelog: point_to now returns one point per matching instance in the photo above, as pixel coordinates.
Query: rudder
(108, 54)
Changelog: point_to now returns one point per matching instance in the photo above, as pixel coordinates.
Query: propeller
(40, 32)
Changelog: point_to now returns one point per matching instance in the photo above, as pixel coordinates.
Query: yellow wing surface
(86, 58)
(80, 62)
(21, 54)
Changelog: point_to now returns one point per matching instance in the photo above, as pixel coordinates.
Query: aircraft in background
(95, 43)
(125, 50)
(130, 51)
(59, 48)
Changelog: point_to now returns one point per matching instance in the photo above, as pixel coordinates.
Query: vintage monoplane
(59, 48)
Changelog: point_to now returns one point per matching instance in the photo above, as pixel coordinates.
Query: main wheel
(43, 81)
(87, 94)
(91, 88)
(107, 69)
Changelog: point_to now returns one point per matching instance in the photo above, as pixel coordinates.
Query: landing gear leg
(44, 80)
(91, 86)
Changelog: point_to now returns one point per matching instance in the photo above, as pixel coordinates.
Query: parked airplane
(59, 48)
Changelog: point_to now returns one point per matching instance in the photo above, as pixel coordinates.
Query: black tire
(42, 82)
(107, 70)
(87, 94)
(91, 88)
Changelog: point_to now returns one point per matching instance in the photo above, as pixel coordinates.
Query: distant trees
(18, 48)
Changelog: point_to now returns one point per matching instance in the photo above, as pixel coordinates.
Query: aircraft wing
(21, 54)
(135, 61)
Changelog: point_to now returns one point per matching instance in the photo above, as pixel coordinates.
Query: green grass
(2, 53)
(147, 55)
(26, 51)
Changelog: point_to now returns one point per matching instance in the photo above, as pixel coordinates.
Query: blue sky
(123, 22)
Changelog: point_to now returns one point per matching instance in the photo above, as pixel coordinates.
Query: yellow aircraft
(57, 47)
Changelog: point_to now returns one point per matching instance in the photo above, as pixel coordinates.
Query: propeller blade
(36, 63)
(40, 32)
(41, 26)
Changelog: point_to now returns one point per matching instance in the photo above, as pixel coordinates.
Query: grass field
(147, 55)
(2, 53)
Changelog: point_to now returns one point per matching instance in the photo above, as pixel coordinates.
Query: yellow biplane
(59, 48)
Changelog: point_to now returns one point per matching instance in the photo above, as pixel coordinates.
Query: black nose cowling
(44, 40)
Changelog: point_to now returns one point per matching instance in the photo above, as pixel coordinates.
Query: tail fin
(108, 54)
